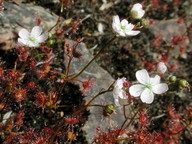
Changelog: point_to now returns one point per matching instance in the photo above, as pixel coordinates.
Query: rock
(170, 28)
(101, 81)
(20, 16)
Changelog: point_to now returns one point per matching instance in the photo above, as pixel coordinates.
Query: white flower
(137, 12)
(161, 67)
(32, 39)
(148, 87)
(123, 28)
(119, 91)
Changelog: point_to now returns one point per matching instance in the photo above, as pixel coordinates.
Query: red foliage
(1, 72)
(181, 20)
(173, 67)
(149, 65)
(20, 94)
(10, 138)
(110, 137)
(23, 54)
(165, 7)
(38, 20)
(45, 49)
(176, 2)
(31, 84)
(73, 119)
(143, 119)
(156, 41)
(87, 84)
(155, 4)
(40, 99)
(19, 119)
(177, 40)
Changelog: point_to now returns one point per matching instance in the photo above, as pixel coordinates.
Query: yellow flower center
(149, 86)
(123, 27)
(32, 39)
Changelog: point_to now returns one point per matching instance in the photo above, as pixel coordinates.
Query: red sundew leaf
(38, 20)
(176, 2)
(20, 95)
(9, 139)
(165, 7)
(181, 20)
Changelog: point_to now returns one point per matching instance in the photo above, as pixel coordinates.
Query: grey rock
(169, 28)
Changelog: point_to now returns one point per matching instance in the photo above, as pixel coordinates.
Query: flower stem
(72, 78)
(126, 121)
(88, 104)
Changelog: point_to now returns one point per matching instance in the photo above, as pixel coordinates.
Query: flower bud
(109, 109)
(172, 79)
(161, 67)
(137, 12)
(76, 53)
(50, 35)
(51, 41)
(183, 84)
(134, 14)
(144, 22)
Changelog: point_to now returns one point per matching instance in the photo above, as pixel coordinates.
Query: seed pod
(144, 22)
(109, 109)
(183, 84)
(51, 42)
(172, 79)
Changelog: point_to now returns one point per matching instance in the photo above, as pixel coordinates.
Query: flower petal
(137, 7)
(147, 96)
(140, 14)
(124, 22)
(119, 82)
(123, 95)
(143, 76)
(129, 27)
(132, 33)
(161, 67)
(42, 38)
(155, 80)
(116, 96)
(117, 102)
(22, 41)
(116, 20)
(116, 92)
(36, 31)
(33, 44)
(160, 88)
(119, 92)
(136, 90)
(24, 34)
(122, 33)
(137, 11)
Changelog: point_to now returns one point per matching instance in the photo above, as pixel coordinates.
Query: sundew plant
(41, 103)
